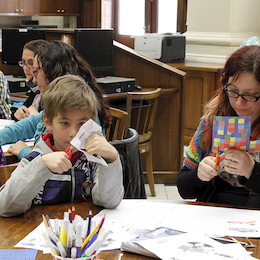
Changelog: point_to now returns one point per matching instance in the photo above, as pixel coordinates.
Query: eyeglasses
(233, 94)
(35, 72)
(23, 63)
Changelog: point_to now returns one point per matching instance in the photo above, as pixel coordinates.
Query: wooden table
(15, 229)
(10, 158)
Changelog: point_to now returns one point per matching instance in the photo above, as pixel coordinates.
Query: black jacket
(219, 190)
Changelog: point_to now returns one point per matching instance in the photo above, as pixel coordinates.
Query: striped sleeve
(194, 152)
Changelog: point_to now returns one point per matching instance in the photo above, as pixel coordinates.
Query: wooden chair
(117, 128)
(145, 105)
(5, 172)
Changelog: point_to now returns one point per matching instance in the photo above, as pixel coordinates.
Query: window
(167, 16)
(130, 24)
(136, 17)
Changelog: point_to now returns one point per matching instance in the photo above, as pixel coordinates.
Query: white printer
(164, 47)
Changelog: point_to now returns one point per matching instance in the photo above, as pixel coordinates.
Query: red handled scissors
(68, 151)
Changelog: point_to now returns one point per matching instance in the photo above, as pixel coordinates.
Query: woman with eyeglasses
(238, 94)
(32, 104)
(51, 60)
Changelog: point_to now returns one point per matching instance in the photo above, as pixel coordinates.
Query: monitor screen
(13, 41)
(96, 47)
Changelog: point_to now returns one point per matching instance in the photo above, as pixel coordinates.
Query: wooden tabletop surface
(16, 228)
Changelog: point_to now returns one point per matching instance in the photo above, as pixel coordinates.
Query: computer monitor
(13, 41)
(96, 47)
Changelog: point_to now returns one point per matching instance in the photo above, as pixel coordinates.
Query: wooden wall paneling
(201, 82)
(90, 14)
(193, 101)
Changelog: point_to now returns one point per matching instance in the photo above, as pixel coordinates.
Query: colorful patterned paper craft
(232, 133)
(254, 146)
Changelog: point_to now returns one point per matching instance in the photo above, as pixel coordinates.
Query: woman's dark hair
(245, 59)
(34, 44)
(59, 58)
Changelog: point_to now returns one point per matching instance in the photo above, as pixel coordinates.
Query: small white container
(93, 257)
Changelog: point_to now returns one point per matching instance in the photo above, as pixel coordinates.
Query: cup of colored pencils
(72, 238)
(93, 257)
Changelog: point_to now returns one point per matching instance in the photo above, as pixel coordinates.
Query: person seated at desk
(68, 103)
(237, 95)
(32, 104)
(5, 103)
(51, 60)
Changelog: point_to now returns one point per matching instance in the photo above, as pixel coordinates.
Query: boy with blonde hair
(48, 175)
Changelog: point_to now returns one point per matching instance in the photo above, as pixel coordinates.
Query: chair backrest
(5, 173)
(133, 178)
(117, 127)
(145, 106)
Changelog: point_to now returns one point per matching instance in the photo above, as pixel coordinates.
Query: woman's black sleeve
(254, 181)
(189, 185)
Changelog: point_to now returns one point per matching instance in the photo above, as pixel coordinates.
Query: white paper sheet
(126, 222)
(140, 214)
(214, 220)
(132, 216)
(28, 142)
(193, 246)
(35, 240)
(79, 141)
(5, 122)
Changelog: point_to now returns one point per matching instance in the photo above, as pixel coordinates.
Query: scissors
(68, 151)
(217, 159)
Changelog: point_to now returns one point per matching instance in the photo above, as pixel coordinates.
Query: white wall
(216, 28)
(12, 21)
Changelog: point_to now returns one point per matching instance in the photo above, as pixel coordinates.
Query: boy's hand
(57, 162)
(97, 144)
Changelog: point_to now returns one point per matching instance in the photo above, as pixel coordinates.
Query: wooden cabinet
(19, 7)
(201, 82)
(59, 7)
(90, 14)
(39, 7)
